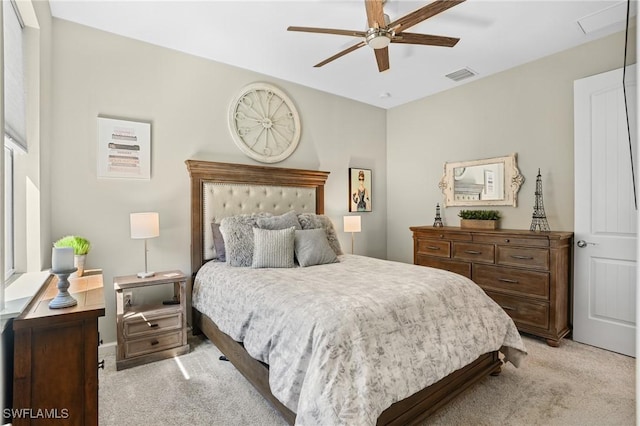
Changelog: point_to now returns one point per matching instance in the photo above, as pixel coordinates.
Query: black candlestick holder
(63, 298)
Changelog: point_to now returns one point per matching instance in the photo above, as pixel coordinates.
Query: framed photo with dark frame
(360, 190)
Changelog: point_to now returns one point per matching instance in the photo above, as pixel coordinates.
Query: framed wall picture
(124, 149)
(359, 190)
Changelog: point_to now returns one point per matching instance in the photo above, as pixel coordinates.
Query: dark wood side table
(151, 332)
(56, 356)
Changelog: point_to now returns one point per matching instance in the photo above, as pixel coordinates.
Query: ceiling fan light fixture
(378, 38)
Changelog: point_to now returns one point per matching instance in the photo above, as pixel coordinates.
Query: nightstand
(150, 332)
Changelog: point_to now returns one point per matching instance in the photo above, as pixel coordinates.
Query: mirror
(489, 182)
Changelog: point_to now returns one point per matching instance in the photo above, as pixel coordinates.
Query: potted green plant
(81, 247)
(479, 219)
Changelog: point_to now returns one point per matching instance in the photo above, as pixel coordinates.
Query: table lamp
(144, 226)
(352, 224)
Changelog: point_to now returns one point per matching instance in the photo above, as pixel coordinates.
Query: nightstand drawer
(511, 280)
(152, 344)
(527, 257)
(522, 311)
(474, 252)
(143, 324)
(434, 248)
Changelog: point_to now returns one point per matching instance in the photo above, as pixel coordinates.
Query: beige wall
(527, 110)
(186, 99)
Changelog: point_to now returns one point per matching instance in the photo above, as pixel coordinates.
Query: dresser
(56, 356)
(527, 273)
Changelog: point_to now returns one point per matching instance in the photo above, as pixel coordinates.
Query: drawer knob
(101, 365)
(506, 240)
(433, 248)
(441, 236)
(154, 342)
(472, 252)
(152, 325)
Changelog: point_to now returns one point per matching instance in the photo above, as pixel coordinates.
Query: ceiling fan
(381, 32)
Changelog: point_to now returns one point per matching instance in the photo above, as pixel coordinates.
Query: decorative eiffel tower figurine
(437, 222)
(539, 221)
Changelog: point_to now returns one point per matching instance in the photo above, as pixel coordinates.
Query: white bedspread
(344, 341)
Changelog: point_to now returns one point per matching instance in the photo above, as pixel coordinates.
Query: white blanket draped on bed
(346, 340)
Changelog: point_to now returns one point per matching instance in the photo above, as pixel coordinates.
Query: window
(8, 214)
(14, 118)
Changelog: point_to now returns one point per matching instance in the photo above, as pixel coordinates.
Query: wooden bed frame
(411, 410)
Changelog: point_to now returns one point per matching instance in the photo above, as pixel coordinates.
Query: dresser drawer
(512, 240)
(445, 235)
(462, 268)
(523, 311)
(145, 324)
(520, 256)
(514, 281)
(152, 344)
(434, 248)
(474, 252)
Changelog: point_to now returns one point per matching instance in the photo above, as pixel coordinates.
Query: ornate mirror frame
(511, 182)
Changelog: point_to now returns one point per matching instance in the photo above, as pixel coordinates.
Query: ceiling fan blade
(425, 39)
(352, 33)
(382, 57)
(375, 14)
(421, 14)
(339, 54)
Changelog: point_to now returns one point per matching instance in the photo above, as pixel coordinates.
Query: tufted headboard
(219, 190)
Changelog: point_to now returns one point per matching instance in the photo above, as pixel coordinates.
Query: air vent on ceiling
(461, 74)
(613, 15)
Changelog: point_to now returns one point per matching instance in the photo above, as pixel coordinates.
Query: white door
(605, 213)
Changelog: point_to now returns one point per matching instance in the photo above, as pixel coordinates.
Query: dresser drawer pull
(508, 308)
(101, 365)
(472, 252)
(154, 342)
(515, 256)
(433, 248)
(154, 325)
(507, 280)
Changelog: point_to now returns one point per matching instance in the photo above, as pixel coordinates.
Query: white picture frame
(124, 149)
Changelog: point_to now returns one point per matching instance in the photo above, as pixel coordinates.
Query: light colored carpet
(574, 384)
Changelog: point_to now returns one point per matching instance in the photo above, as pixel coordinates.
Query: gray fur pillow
(238, 237)
(283, 221)
(315, 221)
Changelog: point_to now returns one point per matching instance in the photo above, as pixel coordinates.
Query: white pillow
(273, 248)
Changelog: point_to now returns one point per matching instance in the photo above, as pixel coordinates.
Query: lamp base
(146, 274)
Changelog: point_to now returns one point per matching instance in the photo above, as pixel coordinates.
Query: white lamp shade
(352, 224)
(145, 225)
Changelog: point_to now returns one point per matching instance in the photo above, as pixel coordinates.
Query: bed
(334, 357)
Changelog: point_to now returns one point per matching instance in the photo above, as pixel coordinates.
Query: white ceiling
(494, 36)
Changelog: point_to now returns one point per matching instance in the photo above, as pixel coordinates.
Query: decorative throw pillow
(312, 248)
(273, 248)
(315, 221)
(237, 232)
(283, 221)
(218, 242)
